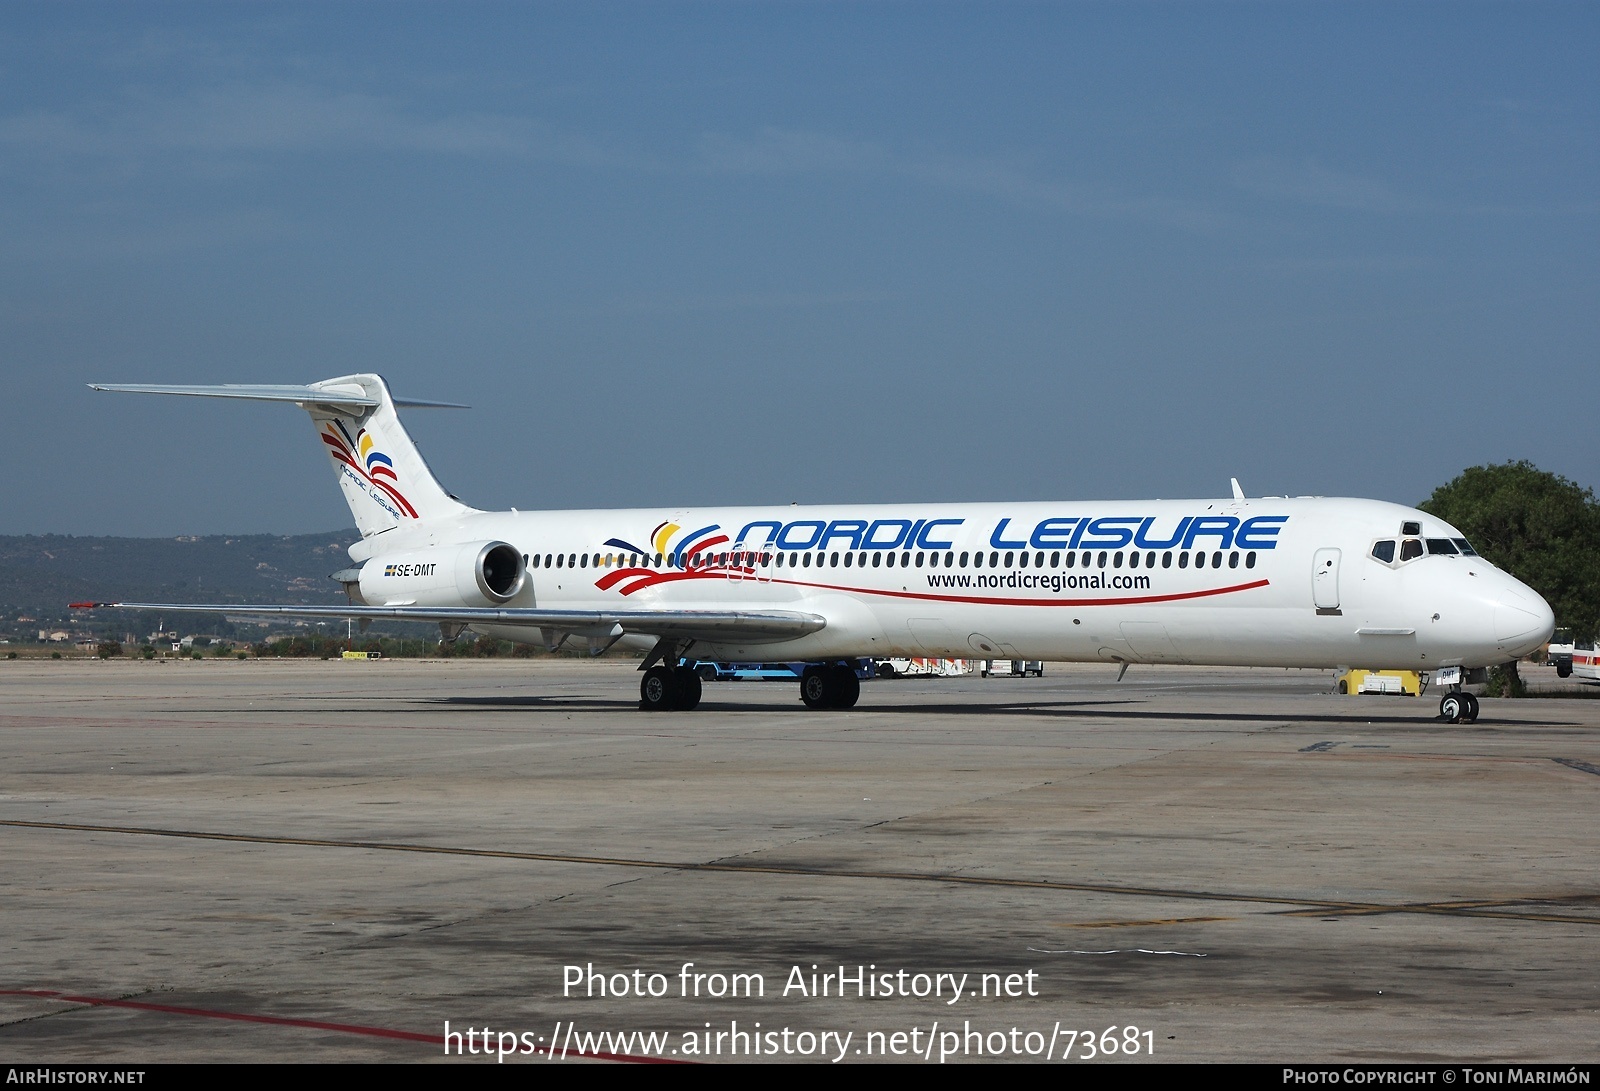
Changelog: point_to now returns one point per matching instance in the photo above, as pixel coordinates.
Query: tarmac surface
(287, 861)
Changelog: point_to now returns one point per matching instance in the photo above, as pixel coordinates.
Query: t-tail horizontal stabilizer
(385, 479)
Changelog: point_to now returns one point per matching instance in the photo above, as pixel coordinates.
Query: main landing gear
(832, 685)
(1458, 708)
(669, 689)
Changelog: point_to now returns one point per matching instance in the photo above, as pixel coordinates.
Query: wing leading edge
(707, 625)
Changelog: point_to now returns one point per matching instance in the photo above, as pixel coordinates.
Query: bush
(55, 655)
(108, 648)
(1505, 682)
(1540, 527)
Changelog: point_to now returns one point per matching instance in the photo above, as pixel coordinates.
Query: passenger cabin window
(1384, 551)
(1410, 549)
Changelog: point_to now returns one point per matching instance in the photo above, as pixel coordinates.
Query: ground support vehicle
(1016, 668)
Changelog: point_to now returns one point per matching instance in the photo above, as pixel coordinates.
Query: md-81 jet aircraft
(1274, 581)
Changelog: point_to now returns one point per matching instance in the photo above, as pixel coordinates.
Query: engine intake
(499, 571)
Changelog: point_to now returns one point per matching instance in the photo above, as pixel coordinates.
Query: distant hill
(41, 574)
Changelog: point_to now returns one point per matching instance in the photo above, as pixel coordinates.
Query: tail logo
(360, 457)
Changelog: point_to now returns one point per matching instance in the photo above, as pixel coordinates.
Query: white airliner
(1274, 581)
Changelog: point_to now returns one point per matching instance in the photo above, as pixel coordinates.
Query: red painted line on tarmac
(281, 1021)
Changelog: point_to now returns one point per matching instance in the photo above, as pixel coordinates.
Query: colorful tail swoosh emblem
(688, 557)
(362, 457)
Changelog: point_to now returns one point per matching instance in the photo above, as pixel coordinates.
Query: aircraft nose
(1522, 620)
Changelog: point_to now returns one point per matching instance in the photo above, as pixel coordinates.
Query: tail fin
(384, 477)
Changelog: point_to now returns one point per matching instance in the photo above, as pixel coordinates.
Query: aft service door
(1325, 579)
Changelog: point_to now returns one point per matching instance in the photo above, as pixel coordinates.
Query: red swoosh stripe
(651, 578)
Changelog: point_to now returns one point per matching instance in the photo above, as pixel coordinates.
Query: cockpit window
(1384, 550)
(1461, 544)
(1410, 549)
(1441, 545)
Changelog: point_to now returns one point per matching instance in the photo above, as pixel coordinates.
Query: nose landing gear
(1458, 708)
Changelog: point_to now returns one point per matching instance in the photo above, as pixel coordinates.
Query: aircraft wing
(764, 626)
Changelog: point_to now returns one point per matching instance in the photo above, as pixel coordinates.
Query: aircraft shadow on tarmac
(1416, 716)
(1075, 709)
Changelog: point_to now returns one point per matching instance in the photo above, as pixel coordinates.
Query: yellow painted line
(1308, 904)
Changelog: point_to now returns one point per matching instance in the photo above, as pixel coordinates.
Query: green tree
(1540, 527)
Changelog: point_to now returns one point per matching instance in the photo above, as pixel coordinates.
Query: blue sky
(699, 253)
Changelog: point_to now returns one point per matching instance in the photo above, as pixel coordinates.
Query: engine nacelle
(475, 574)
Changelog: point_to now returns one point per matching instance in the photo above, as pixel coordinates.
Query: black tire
(1471, 714)
(885, 670)
(1563, 670)
(846, 687)
(814, 688)
(658, 690)
(1452, 708)
(707, 672)
(688, 690)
